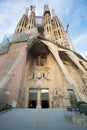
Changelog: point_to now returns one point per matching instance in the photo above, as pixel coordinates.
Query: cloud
(68, 11)
(80, 43)
(79, 15)
(81, 38)
(10, 14)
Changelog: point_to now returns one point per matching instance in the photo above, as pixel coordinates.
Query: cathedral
(38, 67)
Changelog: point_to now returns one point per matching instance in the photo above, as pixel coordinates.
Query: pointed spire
(53, 12)
(32, 8)
(46, 9)
(26, 12)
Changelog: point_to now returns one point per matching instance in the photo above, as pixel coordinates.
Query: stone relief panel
(60, 98)
(40, 74)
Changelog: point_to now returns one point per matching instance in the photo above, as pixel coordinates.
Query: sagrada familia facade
(40, 70)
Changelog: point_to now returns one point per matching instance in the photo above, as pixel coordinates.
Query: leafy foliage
(79, 103)
(4, 106)
(83, 108)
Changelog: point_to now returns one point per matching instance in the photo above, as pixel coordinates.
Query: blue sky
(73, 12)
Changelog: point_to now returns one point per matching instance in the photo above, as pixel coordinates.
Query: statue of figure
(46, 76)
(39, 75)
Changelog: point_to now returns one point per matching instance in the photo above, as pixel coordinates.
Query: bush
(83, 108)
(4, 106)
(79, 103)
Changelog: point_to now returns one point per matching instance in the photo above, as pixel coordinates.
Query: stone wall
(58, 74)
(53, 80)
(11, 72)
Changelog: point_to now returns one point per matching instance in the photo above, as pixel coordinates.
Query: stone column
(39, 57)
(39, 98)
(54, 50)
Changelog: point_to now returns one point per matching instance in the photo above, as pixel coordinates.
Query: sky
(72, 12)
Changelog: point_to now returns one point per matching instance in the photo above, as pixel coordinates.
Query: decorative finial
(26, 12)
(32, 7)
(53, 12)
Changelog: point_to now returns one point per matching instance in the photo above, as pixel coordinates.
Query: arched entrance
(37, 58)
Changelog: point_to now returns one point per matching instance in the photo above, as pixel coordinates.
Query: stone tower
(22, 23)
(40, 70)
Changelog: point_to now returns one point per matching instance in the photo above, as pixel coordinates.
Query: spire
(32, 8)
(53, 12)
(46, 9)
(21, 26)
(26, 12)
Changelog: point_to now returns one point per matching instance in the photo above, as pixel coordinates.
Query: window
(21, 30)
(58, 32)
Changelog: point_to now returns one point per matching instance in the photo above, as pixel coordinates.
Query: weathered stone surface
(11, 66)
(44, 62)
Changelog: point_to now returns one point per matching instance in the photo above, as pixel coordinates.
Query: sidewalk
(36, 119)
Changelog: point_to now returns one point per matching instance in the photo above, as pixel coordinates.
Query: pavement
(36, 119)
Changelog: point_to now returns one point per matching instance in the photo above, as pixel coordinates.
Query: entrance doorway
(32, 98)
(44, 98)
(32, 104)
(45, 104)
